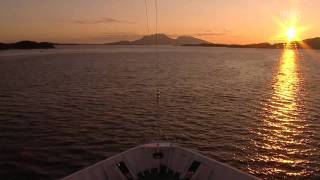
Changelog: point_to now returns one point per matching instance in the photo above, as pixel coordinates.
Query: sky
(102, 21)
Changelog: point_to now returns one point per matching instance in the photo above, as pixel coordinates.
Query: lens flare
(291, 34)
(290, 31)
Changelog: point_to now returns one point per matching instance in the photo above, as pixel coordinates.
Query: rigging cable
(147, 17)
(157, 71)
(157, 91)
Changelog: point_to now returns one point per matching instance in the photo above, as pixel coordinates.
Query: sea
(64, 109)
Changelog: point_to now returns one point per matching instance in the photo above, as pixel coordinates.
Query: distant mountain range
(26, 45)
(162, 39)
(312, 43)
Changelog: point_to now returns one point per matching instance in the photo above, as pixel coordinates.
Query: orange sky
(99, 21)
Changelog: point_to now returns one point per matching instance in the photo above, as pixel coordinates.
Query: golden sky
(100, 21)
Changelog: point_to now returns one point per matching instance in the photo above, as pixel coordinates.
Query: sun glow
(283, 126)
(290, 29)
(291, 34)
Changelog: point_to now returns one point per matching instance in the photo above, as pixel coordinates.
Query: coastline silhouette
(163, 39)
(26, 45)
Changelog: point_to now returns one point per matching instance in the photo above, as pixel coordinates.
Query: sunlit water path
(284, 135)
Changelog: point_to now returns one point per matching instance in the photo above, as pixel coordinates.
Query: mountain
(181, 40)
(26, 45)
(258, 45)
(162, 39)
(312, 43)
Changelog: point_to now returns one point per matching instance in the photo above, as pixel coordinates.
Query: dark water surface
(64, 109)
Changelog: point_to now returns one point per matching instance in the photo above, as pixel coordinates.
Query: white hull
(143, 161)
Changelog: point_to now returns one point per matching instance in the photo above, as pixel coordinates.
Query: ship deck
(163, 173)
(157, 177)
(159, 161)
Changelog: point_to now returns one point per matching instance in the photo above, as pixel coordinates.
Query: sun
(290, 31)
(291, 34)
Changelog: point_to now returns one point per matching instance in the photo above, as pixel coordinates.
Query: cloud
(222, 32)
(215, 32)
(105, 20)
(117, 36)
(210, 34)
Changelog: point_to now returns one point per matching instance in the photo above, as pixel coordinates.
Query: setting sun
(291, 34)
(290, 28)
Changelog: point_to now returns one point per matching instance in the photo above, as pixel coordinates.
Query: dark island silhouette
(312, 43)
(162, 39)
(26, 45)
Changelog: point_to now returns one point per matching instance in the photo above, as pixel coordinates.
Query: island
(312, 43)
(26, 45)
(163, 39)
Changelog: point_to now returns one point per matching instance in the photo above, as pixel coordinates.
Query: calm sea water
(64, 109)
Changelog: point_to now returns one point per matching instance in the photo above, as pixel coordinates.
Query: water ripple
(64, 109)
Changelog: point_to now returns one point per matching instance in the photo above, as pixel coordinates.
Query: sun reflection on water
(286, 87)
(280, 137)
